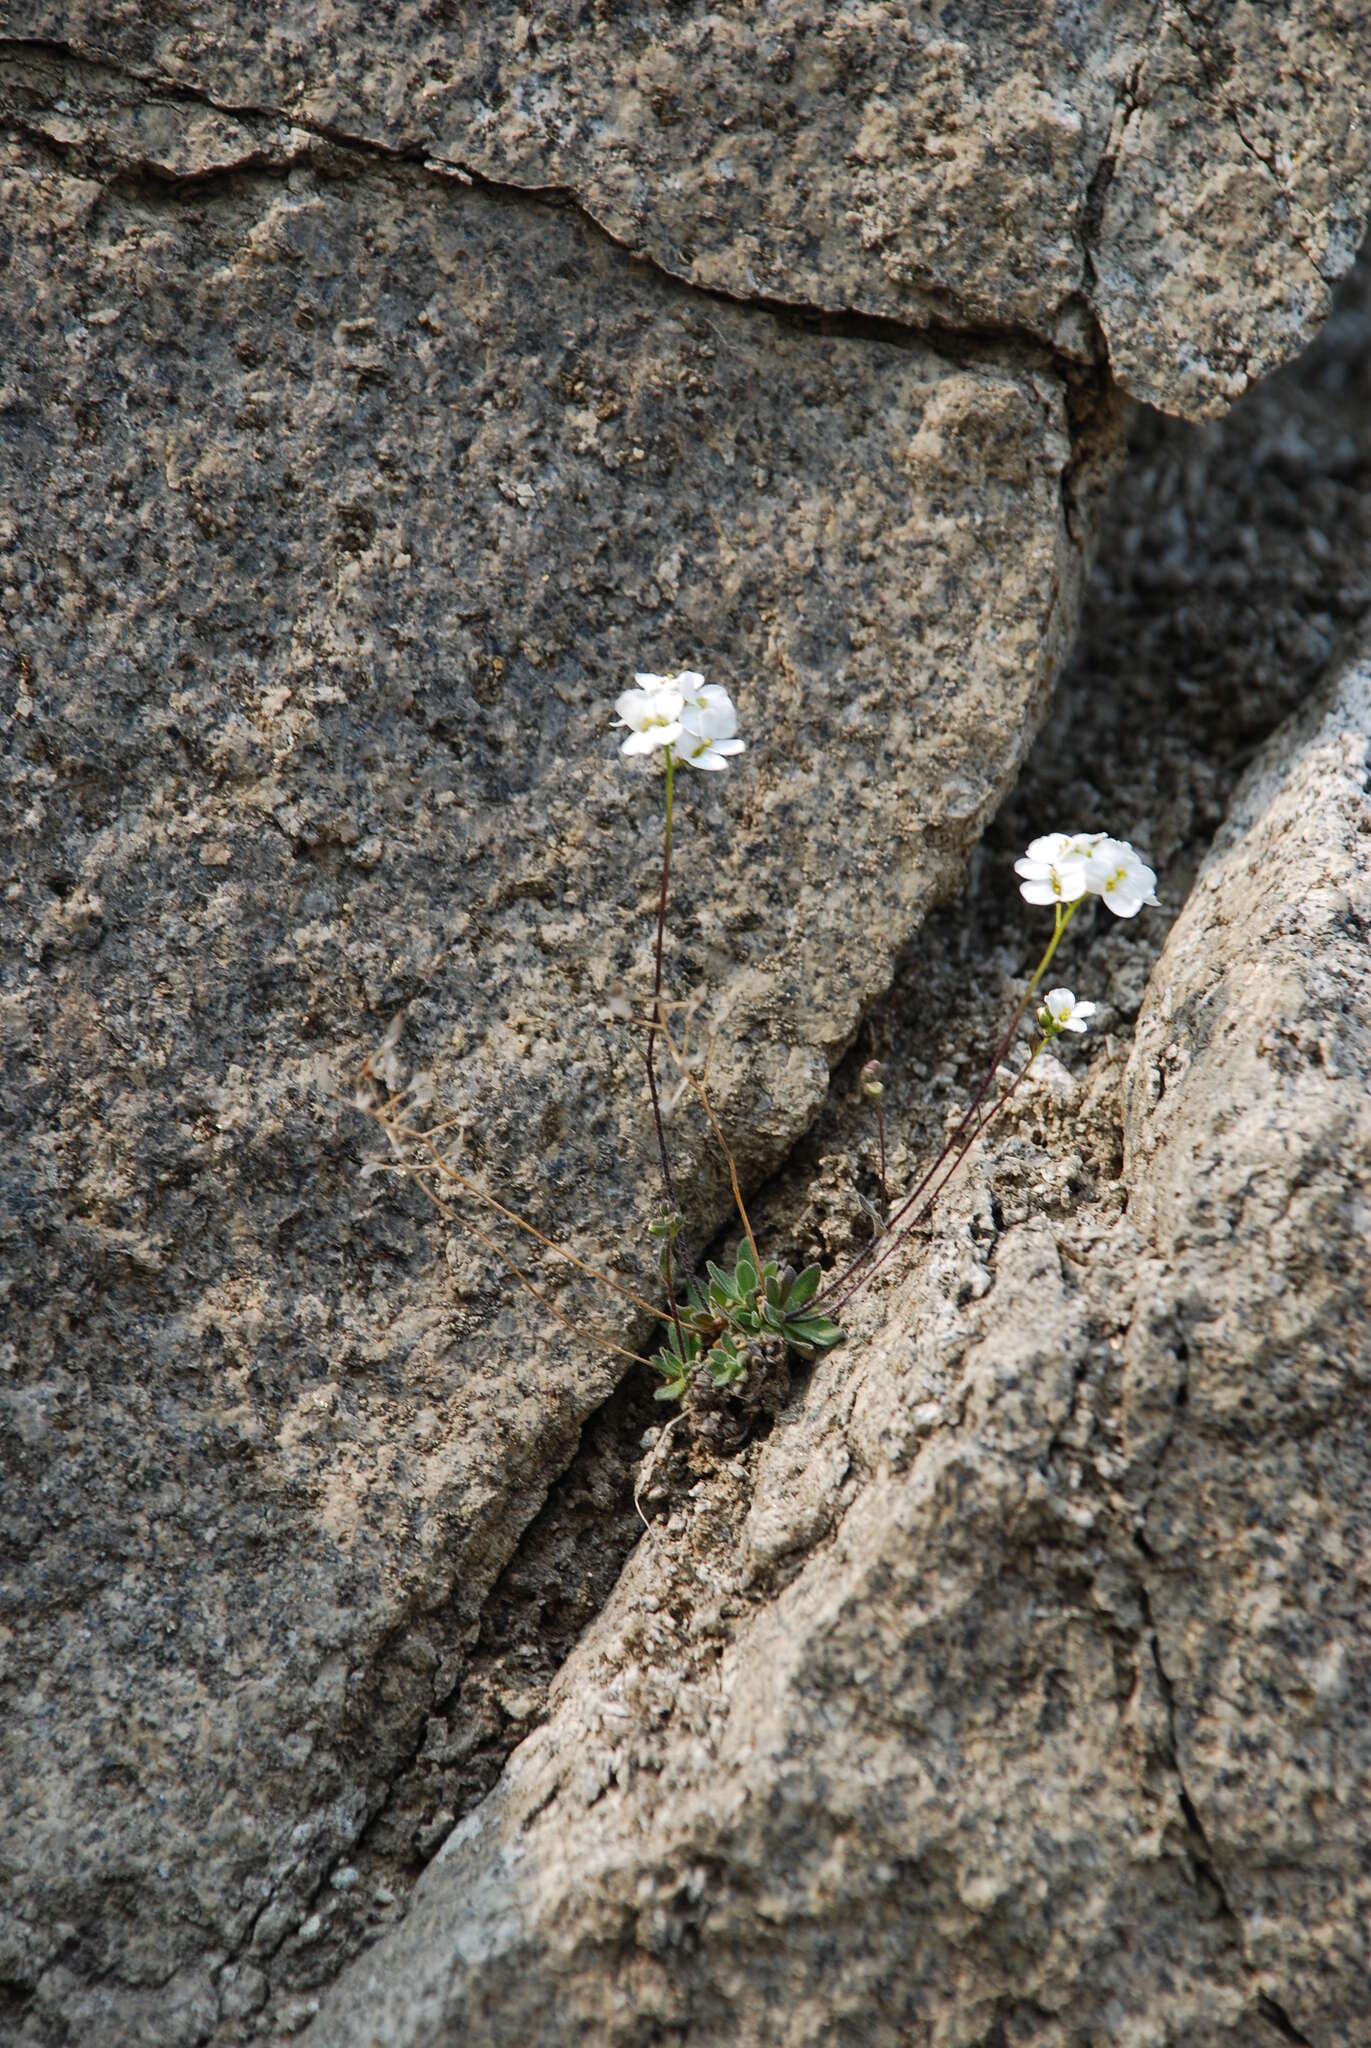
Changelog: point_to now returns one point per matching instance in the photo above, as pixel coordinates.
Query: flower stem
(893, 1242)
(667, 1182)
(1065, 913)
(702, 1095)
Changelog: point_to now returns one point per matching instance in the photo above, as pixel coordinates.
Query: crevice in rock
(1268, 164)
(1126, 103)
(1200, 1852)
(487, 1697)
(1277, 2017)
(1200, 1849)
(963, 341)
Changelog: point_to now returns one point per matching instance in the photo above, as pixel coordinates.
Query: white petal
(636, 707)
(1064, 880)
(1123, 901)
(1105, 862)
(647, 742)
(1036, 891)
(707, 725)
(710, 713)
(1117, 872)
(646, 682)
(690, 680)
(632, 706)
(1047, 849)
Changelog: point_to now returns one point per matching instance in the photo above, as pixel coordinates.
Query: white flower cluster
(682, 711)
(1063, 867)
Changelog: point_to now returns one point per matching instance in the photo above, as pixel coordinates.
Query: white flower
(1063, 867)
(652, 711)
(709, 723)
(1119, 874)
(1061, 1008)
(681, 711)
(706, 753)
(1054, 868)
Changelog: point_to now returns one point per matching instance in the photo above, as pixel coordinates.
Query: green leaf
(816, 1332)
(681, 1348)
(804, 1287)
(675, 1369)
(725, 1364)
(718, 1276)
(747, 1276)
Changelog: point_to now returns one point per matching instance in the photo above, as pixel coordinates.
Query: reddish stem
(893, 1243)
(667, 1181)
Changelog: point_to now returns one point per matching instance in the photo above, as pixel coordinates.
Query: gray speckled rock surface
(1194, 179)
(341, 499)
(1017, 1690)
(341, 495)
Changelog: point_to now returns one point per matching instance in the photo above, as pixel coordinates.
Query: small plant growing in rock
(1062, 869)
(715, 1328)
(721, 1322)
(750, 1314)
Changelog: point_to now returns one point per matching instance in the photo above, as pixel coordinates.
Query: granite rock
(1246, 1369)
(1014, 1690)
(341, 498)
(353, 457)
(1187, 182)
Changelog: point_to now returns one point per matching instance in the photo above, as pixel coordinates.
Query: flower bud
(871, 1080)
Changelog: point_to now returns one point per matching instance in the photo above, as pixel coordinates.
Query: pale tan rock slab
(1246, 1377)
